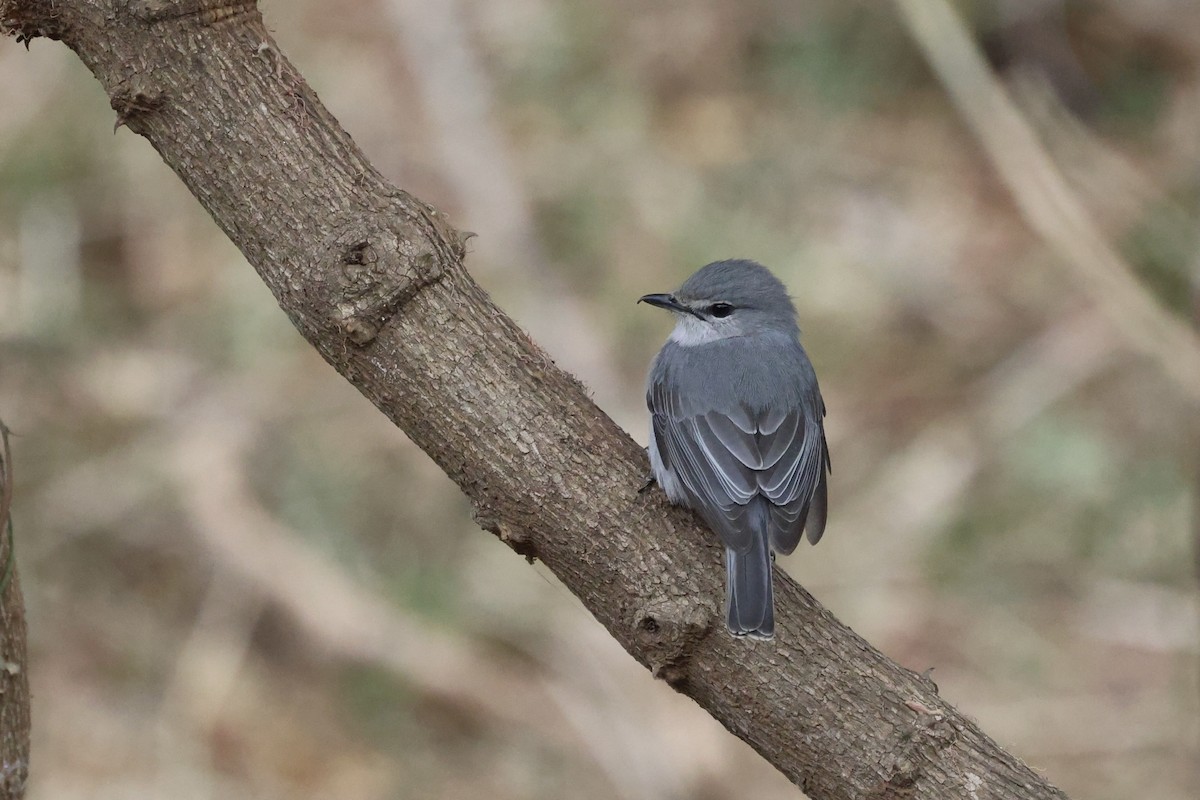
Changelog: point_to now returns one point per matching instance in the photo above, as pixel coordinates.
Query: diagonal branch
(374, 279)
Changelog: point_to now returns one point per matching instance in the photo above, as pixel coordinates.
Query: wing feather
(723, 460)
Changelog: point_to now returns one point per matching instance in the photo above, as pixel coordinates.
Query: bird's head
(727, 299)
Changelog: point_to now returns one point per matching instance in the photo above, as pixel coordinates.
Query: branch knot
(379, 268)
(516, 538)
(131, 102)
(669, 629)
(31, 20)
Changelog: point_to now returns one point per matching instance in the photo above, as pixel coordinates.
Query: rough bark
(374, 279)
(14, 681)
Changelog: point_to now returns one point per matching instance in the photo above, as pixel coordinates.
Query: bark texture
(14, 681)
(374, 279)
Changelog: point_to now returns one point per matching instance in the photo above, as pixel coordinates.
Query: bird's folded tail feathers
(749, 600)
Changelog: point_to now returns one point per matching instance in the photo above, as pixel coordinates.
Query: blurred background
(243, 582)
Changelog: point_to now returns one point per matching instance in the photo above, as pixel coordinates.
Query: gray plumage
(737, 426)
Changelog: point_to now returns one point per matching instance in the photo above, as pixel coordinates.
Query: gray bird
(736, 427)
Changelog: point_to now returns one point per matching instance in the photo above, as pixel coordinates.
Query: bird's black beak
(668, 302)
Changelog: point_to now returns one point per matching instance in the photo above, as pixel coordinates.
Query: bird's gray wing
(796, 481)
(718, 483)
(723, 459)
(785, 449)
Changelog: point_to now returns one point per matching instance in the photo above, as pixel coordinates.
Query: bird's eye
(720, 310)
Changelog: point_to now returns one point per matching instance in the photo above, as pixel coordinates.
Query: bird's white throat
(690, 331)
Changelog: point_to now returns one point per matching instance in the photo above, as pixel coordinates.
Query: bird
(737, 429)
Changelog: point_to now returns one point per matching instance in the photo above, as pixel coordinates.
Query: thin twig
(1044, 198)
(6, 490)
(6, 495)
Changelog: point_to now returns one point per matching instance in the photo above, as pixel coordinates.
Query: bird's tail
(749, 600)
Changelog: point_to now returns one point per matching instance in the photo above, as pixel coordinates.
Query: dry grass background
(242, 582)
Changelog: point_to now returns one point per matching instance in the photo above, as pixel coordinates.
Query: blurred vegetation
(1013, 490)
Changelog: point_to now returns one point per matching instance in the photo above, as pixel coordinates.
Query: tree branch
(374, 279)
(14, 680)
